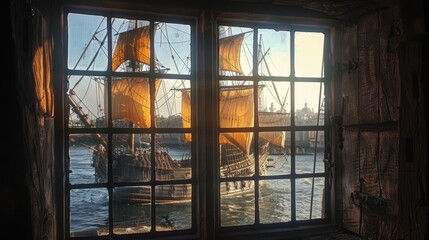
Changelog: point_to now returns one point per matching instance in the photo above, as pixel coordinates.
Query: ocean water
(89, 208)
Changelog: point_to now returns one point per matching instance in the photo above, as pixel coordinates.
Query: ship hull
(242, 168)
(136, 168)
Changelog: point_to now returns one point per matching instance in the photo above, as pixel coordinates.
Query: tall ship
(131, 107)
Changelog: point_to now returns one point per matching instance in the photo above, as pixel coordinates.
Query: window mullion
(152, 126)
(109, 125)
(256, 80)
(292, 123)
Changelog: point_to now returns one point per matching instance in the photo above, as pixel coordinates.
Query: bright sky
(276, 49)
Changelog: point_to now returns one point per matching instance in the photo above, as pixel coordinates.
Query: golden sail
(132, 45)
(229, 53)
(236, 104)
(273, 119)
(276, 138)
(235, 111)
(131, 100)
(186, 112)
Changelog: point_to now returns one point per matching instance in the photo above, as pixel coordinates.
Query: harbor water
(89, 208)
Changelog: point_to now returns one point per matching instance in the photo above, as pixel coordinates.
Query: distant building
(307, 139)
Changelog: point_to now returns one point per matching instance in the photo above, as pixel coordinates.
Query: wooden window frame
(205, 206)
(258, 228)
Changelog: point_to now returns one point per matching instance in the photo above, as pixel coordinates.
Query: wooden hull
(136, 168)
(231, 188)
(164, 194)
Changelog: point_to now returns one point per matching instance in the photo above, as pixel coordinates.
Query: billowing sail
(273, 119)
(132, 45)
(235, 111)
(276, 138)
(229, 53)
(131, 100)
(186, 112)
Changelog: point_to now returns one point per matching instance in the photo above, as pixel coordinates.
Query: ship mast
(263, 58)
(134, 68)
(76, 108)
(84, 118)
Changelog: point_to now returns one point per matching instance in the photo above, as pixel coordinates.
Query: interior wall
(413, 162)
(14, 192)
(382, 77)
(381, 169)
(32, 199)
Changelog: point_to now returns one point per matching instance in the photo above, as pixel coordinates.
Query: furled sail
(235, 111)
(131, 100)
(186, 112)
(132, 45)
(229, 53)
(273, 119)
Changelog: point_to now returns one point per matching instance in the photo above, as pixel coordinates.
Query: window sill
(314, 232)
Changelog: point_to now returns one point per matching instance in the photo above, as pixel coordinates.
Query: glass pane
(87, 101)
(173, 48)
(173, 156)
(131, 213)
(309, 157)
(274, 201)
(89, 211)
(309, 54)
(307, 196)
(277, 160)
(235, 51)
(132, 195)
(237, 209)
(88, 158)
(274, 53)
(274, 104)
(236, 154)
(131, 45)
(236, 104)
(173, 207)
(131, 157)
(308, 96)
(87, 42)
(131, 102)
(173, 104)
